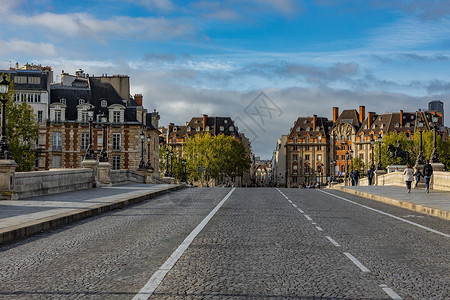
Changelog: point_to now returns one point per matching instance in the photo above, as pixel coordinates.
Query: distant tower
(438, 106)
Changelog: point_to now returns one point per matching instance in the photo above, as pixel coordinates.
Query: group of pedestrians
(409, 175)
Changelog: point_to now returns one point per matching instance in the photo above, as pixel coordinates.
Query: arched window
(295, 170)
(307, 139)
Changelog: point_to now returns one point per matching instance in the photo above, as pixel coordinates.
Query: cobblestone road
(261, 244)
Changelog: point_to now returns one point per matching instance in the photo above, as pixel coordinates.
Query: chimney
(204, 121)
(138, 99)
(335, 114)
(314, 122)
(362, 113)
(370, 119)
(401, 118)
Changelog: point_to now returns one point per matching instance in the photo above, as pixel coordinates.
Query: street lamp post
(4, 147)
(372, 143)
(435, 155)
(380, 165)
(171, 163)
(167, 164)
(183, 177)
(90, 150)
(351, 161)
(104, 153)
(142, 162)
(420, 158)
(149, 163)
(347, 156)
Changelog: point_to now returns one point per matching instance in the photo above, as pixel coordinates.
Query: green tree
(394, 139)
(21, 130)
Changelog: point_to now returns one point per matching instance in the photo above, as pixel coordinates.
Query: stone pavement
(435, 203)
(25, 217)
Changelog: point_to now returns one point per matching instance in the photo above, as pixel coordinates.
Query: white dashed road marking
(390, 292)
(357, 262)
(333, 241)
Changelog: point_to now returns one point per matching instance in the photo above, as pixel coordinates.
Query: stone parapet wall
(441, 180)
(33, 184)
(119, 177)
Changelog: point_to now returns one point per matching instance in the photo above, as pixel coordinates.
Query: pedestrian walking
(427, 172)
(408, 176)
(417, 176)
(355, 177)
(370, 175)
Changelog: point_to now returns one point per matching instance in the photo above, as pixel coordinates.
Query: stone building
(318, 149)
(307, 145)
(66, 139)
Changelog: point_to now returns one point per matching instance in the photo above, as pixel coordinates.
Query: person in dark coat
(417, 176)
(370, 175)
(355, 177)
(427, 172)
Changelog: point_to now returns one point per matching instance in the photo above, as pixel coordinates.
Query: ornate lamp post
(90, 150)
(142, 162)
(351, 160)
(183, 164)
(435, 155)
(167, 164)
(380, 165)
(372, 144)
(332, 162)
(104, 153)
(420, 158)
(171, 163)
(4, 147)
(347, 156)
(149, 163)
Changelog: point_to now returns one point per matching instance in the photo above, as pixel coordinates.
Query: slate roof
(94, 94)
(304, 126)
(214, 124)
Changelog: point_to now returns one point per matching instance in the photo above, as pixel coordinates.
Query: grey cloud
(167, 57)
(438, 86)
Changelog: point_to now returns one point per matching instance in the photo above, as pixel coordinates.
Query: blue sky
(215, 57)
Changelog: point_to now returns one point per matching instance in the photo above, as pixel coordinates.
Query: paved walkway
(25, 217)
(435, 203)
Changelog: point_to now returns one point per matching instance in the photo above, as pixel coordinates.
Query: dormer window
(116, 117)
(221, 128)
(198, 128)
(407, 125)
(188, 128)
(295, 140)
(62, 100)
(308, 129)
(374, 126)
(317, 128)
(207, 128)
(298, 128)
(81, 101)
(225, 121)
(104, 103)
(397, 125)
(231, 128)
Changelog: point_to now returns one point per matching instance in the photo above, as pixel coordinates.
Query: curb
(33, 227)
(435, 212)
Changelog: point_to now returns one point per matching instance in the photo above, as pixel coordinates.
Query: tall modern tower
(438, 106)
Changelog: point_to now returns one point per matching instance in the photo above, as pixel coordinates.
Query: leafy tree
(394, 139)
(21, 130)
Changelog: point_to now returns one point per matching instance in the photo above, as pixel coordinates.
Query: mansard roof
(212, 126)
(304, 126)
(94, 94)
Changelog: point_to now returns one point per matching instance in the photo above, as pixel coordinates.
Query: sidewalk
(435, 203)
(25, 217)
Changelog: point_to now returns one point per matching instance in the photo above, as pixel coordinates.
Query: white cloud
(20, 47)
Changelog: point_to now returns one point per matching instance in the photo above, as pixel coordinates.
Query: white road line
(159, 275)
(390, 292)
(357, 262)
(300, 210)
(319, 228)
(307, 217)
(386, 214)
(333, 241)
(294, 205)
